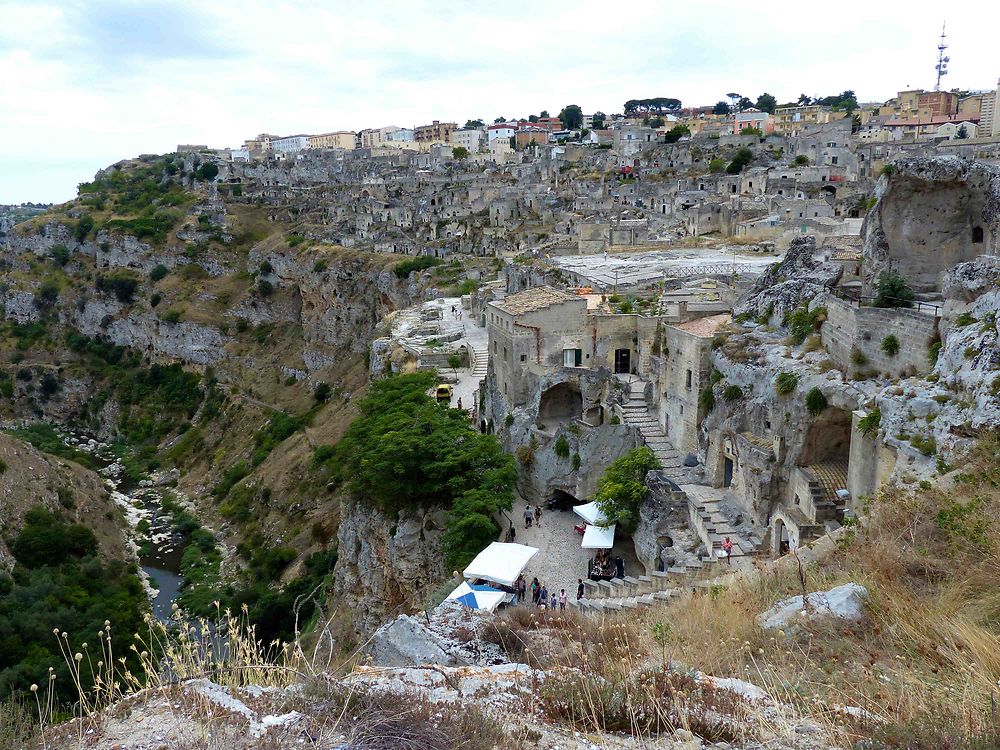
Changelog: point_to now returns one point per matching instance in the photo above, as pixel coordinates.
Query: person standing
(619, 567)
(518, 586)
(562, 600)
(543, 596)
(538, 516)
(527, 516)
(534, 590)
(554, 601)
(579, 589)
(727, 547)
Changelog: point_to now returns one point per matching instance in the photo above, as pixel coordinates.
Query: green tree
(532, 118)
(473, 124)
(801, 160)
(571, 116)
(766, 103)
(460, 152)
(544, 114)
(655, 122)
(622, 488)
(598, 120)
(743, 157)
(676, 133)
(207, 171)
(891, 290)
(720, 108)
(716, 165)
(404, 450)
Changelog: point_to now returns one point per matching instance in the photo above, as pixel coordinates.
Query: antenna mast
(943, 60)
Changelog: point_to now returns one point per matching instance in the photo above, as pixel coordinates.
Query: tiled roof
(705, 327)
(537, 298)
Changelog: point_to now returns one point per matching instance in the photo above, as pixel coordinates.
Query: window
(687, 380)
(494, 347)
(505, 352)
(977, 235)
(524, 357)
(572, 357)
(834, 159)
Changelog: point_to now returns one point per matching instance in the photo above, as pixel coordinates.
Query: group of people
(456, 312)
(540, 596)
(532, 515)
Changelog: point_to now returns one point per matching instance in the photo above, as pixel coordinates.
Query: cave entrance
(561, 402)
(727, 472)
(562, 500)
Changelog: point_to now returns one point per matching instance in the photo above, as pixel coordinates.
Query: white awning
(501, 563)
(599, 537)
(478, 597)
(591, 513)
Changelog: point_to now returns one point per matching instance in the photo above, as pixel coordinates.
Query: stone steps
(625, 603)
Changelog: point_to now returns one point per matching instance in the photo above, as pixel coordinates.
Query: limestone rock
(846, 603)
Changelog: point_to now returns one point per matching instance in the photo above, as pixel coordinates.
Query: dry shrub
(651, 701)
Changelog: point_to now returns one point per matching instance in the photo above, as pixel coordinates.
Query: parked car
(443, 393)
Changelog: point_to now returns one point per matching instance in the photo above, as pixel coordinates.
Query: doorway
(623, 361)
(727, 472)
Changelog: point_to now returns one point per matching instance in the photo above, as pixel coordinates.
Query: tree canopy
(472, 124)
(657, 105)
(720, 108)
(460, 152)
(766, 103)
(571, 116)
(405, 450)
(597, 121)
(743, 157)
(622, 488)
(676, 133)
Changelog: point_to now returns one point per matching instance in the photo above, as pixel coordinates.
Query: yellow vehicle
(443, 393)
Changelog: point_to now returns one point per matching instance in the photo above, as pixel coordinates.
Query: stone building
(436, 131)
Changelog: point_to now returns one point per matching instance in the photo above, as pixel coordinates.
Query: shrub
(60, 254)
(621, 489)
(801, 160)
(706, 399)
(576, 462)
(120, 284)
(933, 352)
(743, 157)
(158, 272)
(888, 170)
(561, 447)
(207, 171)
(869, 424)
(925, 444)
(890, 345)
(965, 319)
(732, 393)
(785, 383)
(155, 300)
(525, 455)
(420, 263)
(265, 268)
(891, 290)
(319, 266)
(858, 357)
(816, 402)
(83, 227)
(229, 477)
(322, 392)
(171, 316)
(716, 165)
(802, 321)
(265, 287)
(509, 420)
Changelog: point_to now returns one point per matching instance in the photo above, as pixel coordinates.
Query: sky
(85, 83)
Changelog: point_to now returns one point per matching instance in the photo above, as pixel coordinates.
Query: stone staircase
(480, 360)
(713, 526)
(636, 414)
(630, 592)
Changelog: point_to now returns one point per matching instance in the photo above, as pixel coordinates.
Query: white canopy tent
(591, 513)
(479, 597)
(599, 537)
(500, 563)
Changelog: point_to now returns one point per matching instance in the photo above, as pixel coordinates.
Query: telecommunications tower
(943, 60)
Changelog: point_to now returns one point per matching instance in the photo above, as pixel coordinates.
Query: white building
(239, 154)
(290, 144)
(472, 139)
(402, 135)
(502, 130)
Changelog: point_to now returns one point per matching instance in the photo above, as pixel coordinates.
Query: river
(160, 549)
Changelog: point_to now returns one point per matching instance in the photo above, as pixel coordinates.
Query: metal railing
(860, 300)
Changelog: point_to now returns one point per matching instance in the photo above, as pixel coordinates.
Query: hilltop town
(742, 359)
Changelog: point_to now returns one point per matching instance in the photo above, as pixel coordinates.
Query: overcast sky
(84, 83)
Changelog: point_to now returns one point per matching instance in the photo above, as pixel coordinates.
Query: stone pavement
(561, 560)
(467, 387)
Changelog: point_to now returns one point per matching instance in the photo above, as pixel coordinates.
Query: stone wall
(848, 327)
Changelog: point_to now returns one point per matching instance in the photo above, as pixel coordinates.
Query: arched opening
(780, 542)
(561, 402)
(562, 500)
(977, 235)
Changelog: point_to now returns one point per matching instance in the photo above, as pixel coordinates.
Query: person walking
(543, 596)
(459, 402)
(527, 516)
(538, 516)
(535, 587)
(579, 589)
(619, 567)
(554, 601)
(518, 587)
(727, 547)
(562, 600)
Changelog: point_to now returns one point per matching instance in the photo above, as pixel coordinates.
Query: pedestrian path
(636, 413)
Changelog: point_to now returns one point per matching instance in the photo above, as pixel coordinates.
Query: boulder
(406, 641)
(846, 603)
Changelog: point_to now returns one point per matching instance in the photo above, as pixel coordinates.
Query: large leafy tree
(656, 105)
(720, 108)
(571, 116)
(598, 120)
(766, 103)
(406, 450)
(622, 488)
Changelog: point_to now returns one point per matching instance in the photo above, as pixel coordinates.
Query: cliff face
(386, 561)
